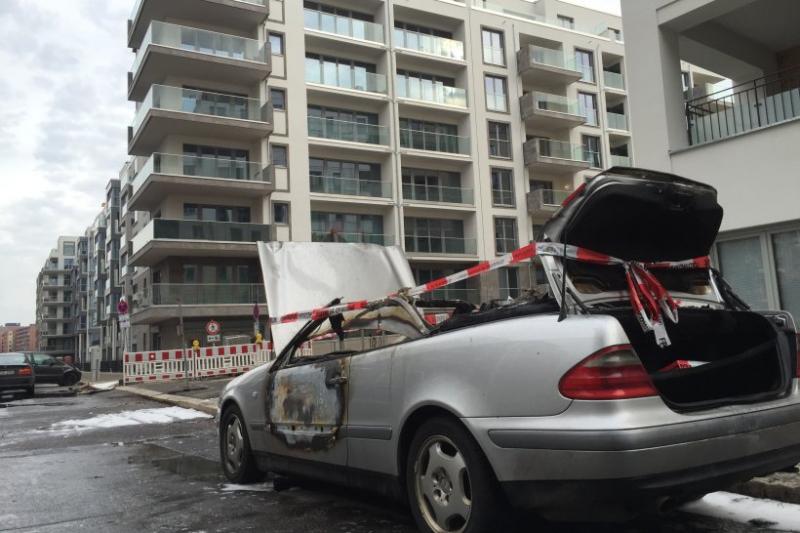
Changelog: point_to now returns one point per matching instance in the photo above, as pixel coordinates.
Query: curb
(206, 406)
(780, 486)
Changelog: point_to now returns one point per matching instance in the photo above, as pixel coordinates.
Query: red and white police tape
(649, 299)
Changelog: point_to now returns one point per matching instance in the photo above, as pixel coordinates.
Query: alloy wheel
(442, 485)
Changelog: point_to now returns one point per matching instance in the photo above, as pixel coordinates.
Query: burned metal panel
(306, 404)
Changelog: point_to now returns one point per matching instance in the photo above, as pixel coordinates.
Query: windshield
(12, 359)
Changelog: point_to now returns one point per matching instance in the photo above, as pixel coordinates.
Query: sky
(63, 128)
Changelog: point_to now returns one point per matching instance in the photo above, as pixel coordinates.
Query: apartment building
(452, 129)
(196, 189)
(56, 300)
(738, 137)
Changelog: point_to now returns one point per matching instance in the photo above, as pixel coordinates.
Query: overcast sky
(63, 128)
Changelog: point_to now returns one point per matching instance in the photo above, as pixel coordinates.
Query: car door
(46, 368)
(306, 407)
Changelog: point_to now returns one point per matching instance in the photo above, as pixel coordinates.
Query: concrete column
(654, 86)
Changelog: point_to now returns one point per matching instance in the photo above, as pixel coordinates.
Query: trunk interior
(743, 356)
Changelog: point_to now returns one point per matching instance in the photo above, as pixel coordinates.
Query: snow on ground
(162, 415)
(738, 508)
(260, 487)
(104, 385)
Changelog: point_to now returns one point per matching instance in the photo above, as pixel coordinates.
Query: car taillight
(26, 371)
(613, 373)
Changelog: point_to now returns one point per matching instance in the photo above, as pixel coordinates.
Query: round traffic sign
(122, 306)
(213, 327)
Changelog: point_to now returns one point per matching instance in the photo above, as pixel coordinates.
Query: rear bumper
(16, 383)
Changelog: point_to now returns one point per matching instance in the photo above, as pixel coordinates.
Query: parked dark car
(48, 369)
(16, 372)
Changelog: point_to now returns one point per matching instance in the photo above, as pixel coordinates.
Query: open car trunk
(719, 353)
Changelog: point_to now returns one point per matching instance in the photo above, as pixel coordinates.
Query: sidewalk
(201, 395)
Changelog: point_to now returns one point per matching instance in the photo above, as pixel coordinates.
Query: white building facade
(740, 137)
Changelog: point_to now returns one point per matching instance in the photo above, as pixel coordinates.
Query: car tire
(69, 379)
(31, 391)
(238, 462)
(451, 486)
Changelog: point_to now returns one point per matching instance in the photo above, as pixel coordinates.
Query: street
(97, 474)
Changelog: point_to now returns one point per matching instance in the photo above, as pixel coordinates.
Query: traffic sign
(122, 306)
(213, 338)
(213, 327)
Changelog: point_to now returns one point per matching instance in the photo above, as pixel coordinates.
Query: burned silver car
(555, 403)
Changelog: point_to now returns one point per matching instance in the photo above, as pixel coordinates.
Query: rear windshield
(12, 359)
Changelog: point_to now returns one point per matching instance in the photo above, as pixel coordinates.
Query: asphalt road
(165, 477)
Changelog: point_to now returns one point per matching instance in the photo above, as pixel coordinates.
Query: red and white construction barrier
(167, 365)
(649, 299)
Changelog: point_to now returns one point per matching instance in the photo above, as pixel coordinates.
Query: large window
(276, 43)
(591, 150)
(496, 93)
(280, 213)
(346, 227)
(505, 235)
(509, 282)
(422, 135)
(279, 155)
(277, 97)
(335, 176)
(566, 22)
(68, 248)
(742, 265)
(502, 187)
(499, 140)
(216, 213)
(435, 235)
(493, 47)
(587, 106)
(786, 248)
(584, 62)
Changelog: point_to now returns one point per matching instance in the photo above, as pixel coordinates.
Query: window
(428, 87)
(190, 274)
(276, 43)
(493, 47)
(496, 94)
(212, 161)
(499, 140)
(509, 282)
(584, 62)
(343, 124)
(615, 34)
(216, 213)
(432, 186)
(436, 236)
(786, 247)
(435, 136)
(346, 227)
(587, 106)
(591, 150)
(280, 213)
(566, 22)
(505, 235)
(277, 97)
(685, 80)
(334, 176)
(69, 248)
(742, 264)
(502, 187)
(279, 155)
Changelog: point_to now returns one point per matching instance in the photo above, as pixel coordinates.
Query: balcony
(438, 194)
(545, 201)
(621, 161)
(337, 236)
(433, 142)
(162, 238)
(170, 174)
(193, 53)
(242, 15)
(431, 93)
(177, 111)
(546, 66)
(198, 300)
(349, 78)
(555, 157)
(613, 80)
(350, 186)
(351, 132)
(430, 45)
(550, 111)
(328, 23)
(439, 245)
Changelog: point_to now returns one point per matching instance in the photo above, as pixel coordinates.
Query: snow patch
(163, 415)
(739, 508)
(260, 487)
(104, 385)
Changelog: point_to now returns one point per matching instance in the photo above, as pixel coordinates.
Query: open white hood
(301, 276)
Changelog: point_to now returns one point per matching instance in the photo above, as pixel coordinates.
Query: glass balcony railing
(614, 80)
(562, 150)
(342, 130)
(427, 91)
(620, 160)
(544, 198)
(199, 230)
(351, 186)
(207, 293)
(197, 40)
(551, 57)
(343, 26)
(357, 79)
(200, 102)
(338, 236)
(450, 294)
(617, 121)
(437, 193)
(435, 244)
(433, 141)
(556, 102)
(428, 44)
(201, 167)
